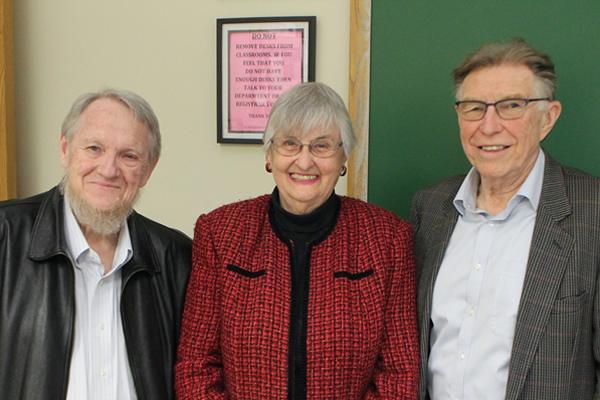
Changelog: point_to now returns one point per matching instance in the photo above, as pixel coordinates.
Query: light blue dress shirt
(99, 364)
(477, 292)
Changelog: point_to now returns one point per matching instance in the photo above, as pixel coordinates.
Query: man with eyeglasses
(508, 255)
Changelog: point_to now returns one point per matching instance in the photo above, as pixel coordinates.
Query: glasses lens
(287, 146)
(323, 147)
(511, 108)
(471, 110)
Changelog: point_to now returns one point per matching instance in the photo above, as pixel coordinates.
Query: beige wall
(165, 51)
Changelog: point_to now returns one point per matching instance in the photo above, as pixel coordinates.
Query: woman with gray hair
(301, 294)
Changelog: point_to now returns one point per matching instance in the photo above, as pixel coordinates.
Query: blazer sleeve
(199, 368)
(596, 337)
(415, 217)
(397, 371)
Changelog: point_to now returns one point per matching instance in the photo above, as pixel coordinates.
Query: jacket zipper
(138, 387)
(70, 333)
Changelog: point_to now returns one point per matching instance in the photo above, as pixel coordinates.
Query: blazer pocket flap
(353, 276)
(568, 304)
(245, 272)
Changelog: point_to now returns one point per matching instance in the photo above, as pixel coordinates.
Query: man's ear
(551, 114)
(64, 150)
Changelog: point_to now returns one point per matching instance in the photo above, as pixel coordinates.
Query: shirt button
(462, 356)
(477, 267)
(103, 373)
(471, 312)
(102, 326)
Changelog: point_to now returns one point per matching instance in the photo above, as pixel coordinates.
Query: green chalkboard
(413, 134)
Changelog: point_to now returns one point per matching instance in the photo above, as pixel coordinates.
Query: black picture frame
(257, 59)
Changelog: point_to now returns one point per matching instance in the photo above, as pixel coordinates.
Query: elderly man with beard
(91, 292)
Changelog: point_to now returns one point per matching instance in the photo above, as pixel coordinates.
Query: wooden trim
(8, 180)
(358, 101)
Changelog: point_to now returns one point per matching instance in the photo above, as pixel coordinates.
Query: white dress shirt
(477, 292)
(99, 364)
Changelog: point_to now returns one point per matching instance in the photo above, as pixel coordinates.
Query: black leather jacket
(37, 301)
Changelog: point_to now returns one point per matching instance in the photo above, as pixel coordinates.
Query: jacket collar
(553, 195)
(144, 255)
(48, 236)
(554, 192)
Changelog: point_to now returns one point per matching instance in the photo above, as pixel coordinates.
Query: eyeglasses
(474, 110)
(290, 146)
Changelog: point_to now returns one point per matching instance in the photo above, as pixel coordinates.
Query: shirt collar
(78, 245)
(466, 197)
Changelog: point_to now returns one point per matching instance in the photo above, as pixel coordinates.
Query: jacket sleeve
(199, 368)
(397, 371)
(596, 337)
(415, 215)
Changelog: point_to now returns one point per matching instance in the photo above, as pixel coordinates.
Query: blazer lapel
(550, 250)
(438, 240)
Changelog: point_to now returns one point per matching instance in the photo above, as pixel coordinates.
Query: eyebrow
(328, 136)
(509, 97)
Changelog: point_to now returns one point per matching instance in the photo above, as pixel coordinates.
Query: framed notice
(257, 60)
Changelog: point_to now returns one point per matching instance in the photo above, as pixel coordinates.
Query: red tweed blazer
(361, 334)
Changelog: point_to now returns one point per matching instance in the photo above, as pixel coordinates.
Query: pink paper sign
(262, 65)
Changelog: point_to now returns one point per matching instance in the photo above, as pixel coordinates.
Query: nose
(304, 159)
(491, 121)
(108, 167)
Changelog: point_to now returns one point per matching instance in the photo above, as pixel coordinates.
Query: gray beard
(101, 222)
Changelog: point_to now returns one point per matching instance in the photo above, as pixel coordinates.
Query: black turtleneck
(301, 232)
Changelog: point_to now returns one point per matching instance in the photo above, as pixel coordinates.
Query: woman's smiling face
(305, 181)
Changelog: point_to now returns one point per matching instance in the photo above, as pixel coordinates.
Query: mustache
(102, 222)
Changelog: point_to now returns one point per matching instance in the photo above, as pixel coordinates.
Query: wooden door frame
(358, 98)
(8, 180)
